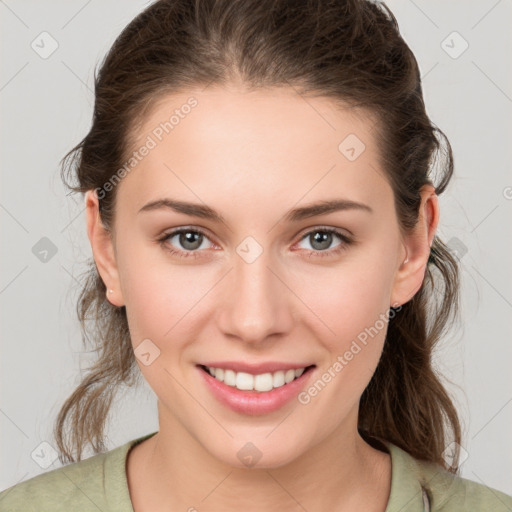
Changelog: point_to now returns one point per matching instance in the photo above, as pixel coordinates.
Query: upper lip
(256, 368)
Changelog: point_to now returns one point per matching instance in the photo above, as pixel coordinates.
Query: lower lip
(255, 402)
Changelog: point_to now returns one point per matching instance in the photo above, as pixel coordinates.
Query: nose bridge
(255, 305)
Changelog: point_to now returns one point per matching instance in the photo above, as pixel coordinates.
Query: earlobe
(102, 249)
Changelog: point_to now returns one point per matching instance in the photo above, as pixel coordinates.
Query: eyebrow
(294, 215)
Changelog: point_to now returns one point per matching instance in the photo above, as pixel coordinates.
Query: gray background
(46, 109)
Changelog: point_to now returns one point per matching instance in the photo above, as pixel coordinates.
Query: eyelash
(346, 242)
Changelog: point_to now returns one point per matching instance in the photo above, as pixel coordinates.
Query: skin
(252, 156)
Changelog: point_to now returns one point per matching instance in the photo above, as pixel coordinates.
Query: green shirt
(99, 483)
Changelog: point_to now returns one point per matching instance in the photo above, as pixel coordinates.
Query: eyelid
(181, 229)
(320, 227)
(205, 232)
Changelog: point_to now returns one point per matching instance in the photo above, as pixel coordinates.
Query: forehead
(231, 143)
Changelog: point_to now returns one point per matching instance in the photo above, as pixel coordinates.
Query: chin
(256, 454)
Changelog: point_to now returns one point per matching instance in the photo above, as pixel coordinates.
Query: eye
(321, 238)
(190, 239)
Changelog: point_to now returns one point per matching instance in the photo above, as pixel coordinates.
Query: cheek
(347, 299)
(351, 305)
(354, 314)
(162, 298)
(160, 308)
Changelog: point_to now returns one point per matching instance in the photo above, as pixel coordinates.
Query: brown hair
(348, 50)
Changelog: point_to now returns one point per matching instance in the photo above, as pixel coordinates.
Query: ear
(411, 271)
(103, 249)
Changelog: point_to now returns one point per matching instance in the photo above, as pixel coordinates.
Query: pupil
(188, 238)
(323, 238)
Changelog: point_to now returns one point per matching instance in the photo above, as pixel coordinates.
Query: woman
(262, 212)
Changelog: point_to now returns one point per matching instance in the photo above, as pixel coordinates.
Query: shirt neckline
(406, 492)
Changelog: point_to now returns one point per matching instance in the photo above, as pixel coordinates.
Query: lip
(255, 402)
(256, 368)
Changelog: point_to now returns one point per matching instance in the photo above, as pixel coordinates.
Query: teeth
(289, 376)
(278, 379)
(263, 382)
(229, 377)
(248, 382)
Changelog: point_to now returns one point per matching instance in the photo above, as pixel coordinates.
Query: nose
(256, 302)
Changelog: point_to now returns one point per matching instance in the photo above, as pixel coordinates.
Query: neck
(172, 471)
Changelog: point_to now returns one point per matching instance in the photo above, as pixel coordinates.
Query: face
(260, 284)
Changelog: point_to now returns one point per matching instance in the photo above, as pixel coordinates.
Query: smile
(255, 393)
(261, 383)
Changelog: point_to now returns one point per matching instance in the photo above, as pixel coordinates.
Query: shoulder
(452, 492)
(79, 486)
(448, 492)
